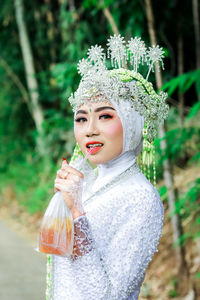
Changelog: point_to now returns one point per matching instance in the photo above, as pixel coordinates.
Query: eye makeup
(80, 119)
(105, 116)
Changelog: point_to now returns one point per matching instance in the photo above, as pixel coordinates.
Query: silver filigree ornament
(137, 52)
(117, 51)
(96, 54)
(120, 84)
(154, 56)
(83, 66)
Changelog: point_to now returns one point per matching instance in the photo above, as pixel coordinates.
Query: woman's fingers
(63, 181)
(63, 188)
(55, 189)
(68, 182)
(67, 175)
(69, 187)
(67, 168)
(61, 174)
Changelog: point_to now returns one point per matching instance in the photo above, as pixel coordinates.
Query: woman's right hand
(69, 182)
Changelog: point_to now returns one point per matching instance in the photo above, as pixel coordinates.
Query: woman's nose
(92, 128)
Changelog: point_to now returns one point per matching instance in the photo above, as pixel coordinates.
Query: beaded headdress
(123, 82)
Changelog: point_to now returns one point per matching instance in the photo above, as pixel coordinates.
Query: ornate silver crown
(99, 83)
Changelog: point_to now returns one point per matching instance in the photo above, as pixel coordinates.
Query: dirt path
(22, 269)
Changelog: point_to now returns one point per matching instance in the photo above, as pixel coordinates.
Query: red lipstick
(96, 148)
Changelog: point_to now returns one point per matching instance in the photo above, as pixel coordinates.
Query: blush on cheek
(115, 128)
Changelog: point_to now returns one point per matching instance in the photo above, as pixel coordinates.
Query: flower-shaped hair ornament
(83, 66)
(117, 51)
(154, 55)
(96, 54)
(137, 51)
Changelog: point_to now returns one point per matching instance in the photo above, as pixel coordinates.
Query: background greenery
(60, 33)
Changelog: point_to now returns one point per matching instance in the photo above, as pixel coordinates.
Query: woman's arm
(82, 237)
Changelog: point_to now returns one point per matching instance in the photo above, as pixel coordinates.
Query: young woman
(118, 215)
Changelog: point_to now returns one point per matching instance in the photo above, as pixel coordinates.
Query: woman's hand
(69, 182)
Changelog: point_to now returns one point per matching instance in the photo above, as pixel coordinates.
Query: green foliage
(183, 142)
(163, 193)
(195, 109)
(183, 82)
(198, 275)
(60, 34)
(173, 292)
(188, 206)
(177, 142)
(32, 182)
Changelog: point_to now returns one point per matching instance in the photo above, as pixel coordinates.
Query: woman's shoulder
(137, 203)
(138, 184)
(137, 191)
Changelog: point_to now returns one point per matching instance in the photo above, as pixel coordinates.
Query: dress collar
(109, 170)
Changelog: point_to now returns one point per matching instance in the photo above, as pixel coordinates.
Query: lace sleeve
(82, 238)
(136, 228)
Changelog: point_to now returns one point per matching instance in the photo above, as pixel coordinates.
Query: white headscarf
(132, 124)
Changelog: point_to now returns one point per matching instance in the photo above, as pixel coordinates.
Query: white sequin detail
(121, 231)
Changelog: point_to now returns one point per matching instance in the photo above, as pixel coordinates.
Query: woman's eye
(80, 120)
(105, 117)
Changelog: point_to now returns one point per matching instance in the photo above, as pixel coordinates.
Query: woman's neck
(112, 168)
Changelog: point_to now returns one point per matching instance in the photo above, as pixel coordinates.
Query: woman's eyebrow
(103, 108)
(81, 111)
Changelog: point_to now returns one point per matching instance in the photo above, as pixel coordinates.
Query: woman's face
(97, 125)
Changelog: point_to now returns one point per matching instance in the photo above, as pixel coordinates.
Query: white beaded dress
(120, 231)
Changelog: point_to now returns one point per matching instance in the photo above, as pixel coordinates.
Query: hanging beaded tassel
(147, 158)
(154, 167)
(49, 295)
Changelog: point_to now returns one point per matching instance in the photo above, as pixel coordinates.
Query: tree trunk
(168, 173)
(50, 29)
(196, 30)
(180, 67)
(16, 81)
(197, 34)
(111, 20)
(37, 113)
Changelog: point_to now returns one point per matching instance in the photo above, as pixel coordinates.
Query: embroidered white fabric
(132, 124)
(117, 239)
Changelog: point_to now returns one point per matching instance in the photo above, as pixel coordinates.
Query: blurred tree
(168, 173)
(195, 6)
(34, 107)
(180, 61)
(196, 30)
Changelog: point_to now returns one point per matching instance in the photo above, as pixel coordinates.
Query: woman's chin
(100, 157)
(97, 159)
